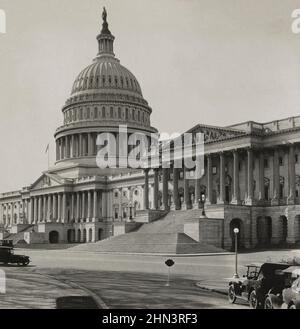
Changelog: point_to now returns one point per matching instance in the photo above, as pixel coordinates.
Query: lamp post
(130, 210)
(202, 202)
(236, 232)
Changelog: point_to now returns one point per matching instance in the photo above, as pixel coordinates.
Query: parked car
(291, 296)
(7, 256)
(274, 298)
(255, 285)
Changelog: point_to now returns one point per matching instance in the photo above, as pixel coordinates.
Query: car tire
(25, 263)
(292, 307)
(231, 294)
(253, 300)
(269, 303)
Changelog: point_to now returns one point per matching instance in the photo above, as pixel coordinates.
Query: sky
(198, 61)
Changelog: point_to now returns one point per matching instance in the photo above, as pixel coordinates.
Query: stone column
(67, 147)
(73, 206)
(64, 208)
(84, 150)
(120, 205)
(49, 208)
(83, 206)
(292, 175)
(146, 189)
(57, 151)
(80, 146)
(77, 207)
(209, 199)
(261, 183)
(249, 200)
(44, 208)
(186, 197)
(276, 178)
(175, 204)
(59, 208)
(89, 212)
(73, 146)
(156, 189)
(104, 198)
(54, 207)
(165, 189)
(18, 213)
(31, 210)
(90, 144)
(236, 189)
(62, 153)
(40, 209)
(36, 210)
(221, 199)
(95, 210)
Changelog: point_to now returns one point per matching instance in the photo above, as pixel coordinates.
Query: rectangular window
(214, 170)
(296, 158)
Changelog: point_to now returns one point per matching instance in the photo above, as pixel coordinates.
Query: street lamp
(236, 232)
(130, 210)
(202, 202)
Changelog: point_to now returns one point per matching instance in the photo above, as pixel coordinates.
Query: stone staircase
(16, 237)
(164, 236)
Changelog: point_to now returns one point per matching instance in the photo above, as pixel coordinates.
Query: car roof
(292, 269)
(6, 247)
(254, 265)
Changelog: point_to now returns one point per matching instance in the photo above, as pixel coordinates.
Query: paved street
(125, 281)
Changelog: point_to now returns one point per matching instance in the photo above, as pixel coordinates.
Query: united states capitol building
(251, 179)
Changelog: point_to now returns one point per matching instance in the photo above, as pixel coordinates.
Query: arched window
(103, 112)
(119, 113)
(126, 114)
(111, 112)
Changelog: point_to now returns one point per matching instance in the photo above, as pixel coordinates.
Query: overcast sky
(198, 61)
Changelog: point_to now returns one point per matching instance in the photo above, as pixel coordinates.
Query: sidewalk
(219, 286)
(29, 290)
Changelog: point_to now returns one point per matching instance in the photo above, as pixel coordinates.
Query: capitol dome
(106, 74)
(104, 96)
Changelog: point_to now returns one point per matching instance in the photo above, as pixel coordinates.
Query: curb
(198, 284)
(98, 300)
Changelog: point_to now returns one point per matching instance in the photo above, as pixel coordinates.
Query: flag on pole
(47, 149)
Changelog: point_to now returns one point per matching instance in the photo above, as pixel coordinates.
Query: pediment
(212, 133)
(45, 181)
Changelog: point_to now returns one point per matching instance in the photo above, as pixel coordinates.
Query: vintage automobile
(274, 298)
(259, 280)
(291, 296)
(7, 256)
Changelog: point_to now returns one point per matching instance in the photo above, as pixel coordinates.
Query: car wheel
(231, 294)
(292, 306)
(253, 301)
(25, 263)
(268, 303)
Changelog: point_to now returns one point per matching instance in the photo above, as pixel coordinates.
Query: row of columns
(236, 199)
(15, 212)
(78, 145)
(58, 207)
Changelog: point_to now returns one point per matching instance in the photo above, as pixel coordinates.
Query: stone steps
(164, 236)
(165, 243)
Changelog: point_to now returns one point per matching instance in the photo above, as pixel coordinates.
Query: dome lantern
(105, 38)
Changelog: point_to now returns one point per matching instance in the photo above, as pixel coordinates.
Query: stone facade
(251, 178)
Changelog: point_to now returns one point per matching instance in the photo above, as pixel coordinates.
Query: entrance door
(53, 237)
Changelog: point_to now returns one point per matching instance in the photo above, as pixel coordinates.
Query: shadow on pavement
(76, 302)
